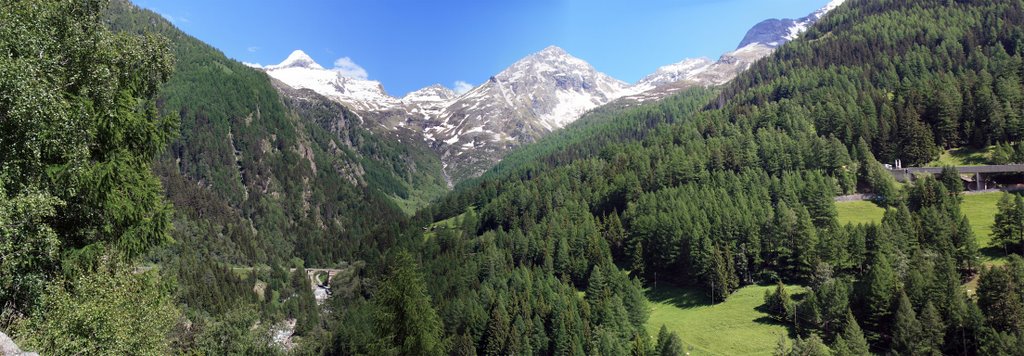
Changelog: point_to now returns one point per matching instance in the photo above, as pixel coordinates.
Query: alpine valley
(843, 183)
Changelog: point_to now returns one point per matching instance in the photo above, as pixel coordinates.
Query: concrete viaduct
(979, 173)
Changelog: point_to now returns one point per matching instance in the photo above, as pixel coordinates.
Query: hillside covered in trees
(183, 221)
(741, 192)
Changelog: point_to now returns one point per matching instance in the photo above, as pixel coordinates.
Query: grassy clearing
(981, 210)
(963, 157)
(859, 212)
(418, 198)
(735, 327)
(449, 223)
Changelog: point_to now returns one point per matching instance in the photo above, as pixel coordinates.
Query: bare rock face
(538, 94)
(470, 132)
(776, 32)
(9, 348)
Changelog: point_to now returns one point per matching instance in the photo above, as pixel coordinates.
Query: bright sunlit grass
(859, 212)
(735, 327)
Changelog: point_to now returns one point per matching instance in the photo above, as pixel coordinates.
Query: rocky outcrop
(9, 348)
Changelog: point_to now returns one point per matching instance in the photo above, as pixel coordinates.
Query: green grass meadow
(735, 327)
(980, 210)
(739, 327)
(963, 157)
(859, 212)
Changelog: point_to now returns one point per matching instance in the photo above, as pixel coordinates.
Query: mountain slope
(776, 32)
(741, 192)
(261, 178)
(760, 41)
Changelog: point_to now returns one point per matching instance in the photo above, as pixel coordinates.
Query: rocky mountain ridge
(540, 93)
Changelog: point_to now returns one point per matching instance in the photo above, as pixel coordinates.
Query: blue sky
(408, 45)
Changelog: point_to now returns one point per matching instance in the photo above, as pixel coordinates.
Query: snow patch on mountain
(759, 42)
(776, 32)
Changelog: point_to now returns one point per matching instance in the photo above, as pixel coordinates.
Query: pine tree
(470, 222)
(668, 343)
(807, 316)
(834, 303)
(852, 342)
(498, 333)
(614, 233)
(563, 261)
(805, 243)
(778, 303)
(1009, 222)
(306, 314)
(407, 322)
(637, 262)
(635, 303)
(782, 346)
(598, 289)
(950, 178)
(933, 331)
(811, 346)
(918, 144)
(906, 332)
(880, 292)
(999, 298)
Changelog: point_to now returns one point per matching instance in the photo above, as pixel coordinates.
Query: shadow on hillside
(683, 298)
(993, 252)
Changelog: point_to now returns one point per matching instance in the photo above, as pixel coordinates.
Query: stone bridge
(311, 273)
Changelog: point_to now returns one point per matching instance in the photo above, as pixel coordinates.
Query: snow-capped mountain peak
(540, 93)
(298, 59)
(551, 61)
(302, 72)
(433, 93)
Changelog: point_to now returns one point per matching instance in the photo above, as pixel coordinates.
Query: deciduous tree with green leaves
(78, 130)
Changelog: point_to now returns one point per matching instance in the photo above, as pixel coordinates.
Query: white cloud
(175, 19)
(253, 65)
(462, 87)
(349, 69)
(253, 49)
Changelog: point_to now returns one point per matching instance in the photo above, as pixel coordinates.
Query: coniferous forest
(157, 197)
